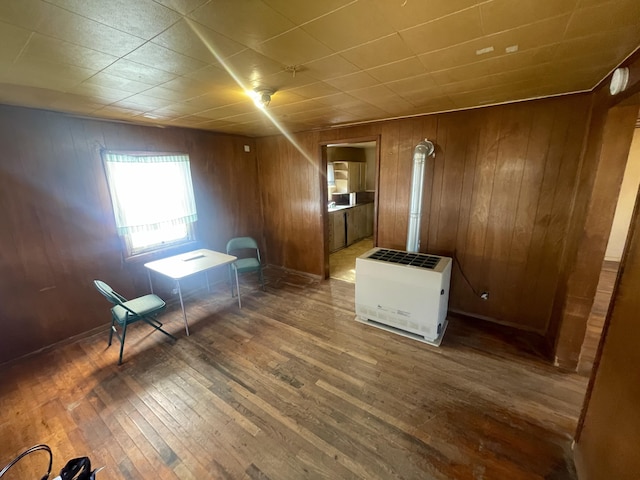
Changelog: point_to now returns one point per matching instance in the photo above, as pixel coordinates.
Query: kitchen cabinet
(349, 225)
(349, 176)
(352, 228)
(337, 230)
(369, 209)
(357, 222)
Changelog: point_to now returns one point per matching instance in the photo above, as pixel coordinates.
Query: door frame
(324, 197)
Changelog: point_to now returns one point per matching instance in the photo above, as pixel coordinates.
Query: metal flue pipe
(423, 149)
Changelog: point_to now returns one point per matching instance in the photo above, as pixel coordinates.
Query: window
(152, 197)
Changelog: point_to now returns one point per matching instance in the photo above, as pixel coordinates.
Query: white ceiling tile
(140, 73)
(409, 67)
(182, 6)
(501, 15)
(90, 34)
(142, 18)
(378, 52)
(251, 67)
(329, 67)
(605, 16)
(153, 55)
(103, 79)
(43, 74)
(195, 40)
(13, 40)
(28, 14)
(444, 32)
(408, 14)
(328, 61)
(355, 24)
(294, 47)
(249, 22)
(28, 96)
(48, 49)
(302, 12)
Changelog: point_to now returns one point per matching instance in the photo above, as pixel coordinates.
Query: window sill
(162, 253)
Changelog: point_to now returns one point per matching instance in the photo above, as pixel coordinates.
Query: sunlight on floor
(342, 264)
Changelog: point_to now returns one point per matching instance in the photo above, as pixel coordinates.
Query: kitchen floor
(597, 316)
(342, 264)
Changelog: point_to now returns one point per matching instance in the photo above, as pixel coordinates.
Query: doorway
(613, 255)
(351, 193)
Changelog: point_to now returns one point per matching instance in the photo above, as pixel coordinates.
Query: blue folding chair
(246, 264)
(124, 312)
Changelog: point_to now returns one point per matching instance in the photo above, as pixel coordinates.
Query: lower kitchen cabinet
(350, 225)
(337, 230)
(369, 209)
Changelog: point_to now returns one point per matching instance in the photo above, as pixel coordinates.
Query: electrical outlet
(484, 295)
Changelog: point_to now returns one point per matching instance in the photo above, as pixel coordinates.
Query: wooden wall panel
(499, 194)
(290, 182)
(58, 231)
(598, 190)
(606, 151)
(388, 177)
(606, 445)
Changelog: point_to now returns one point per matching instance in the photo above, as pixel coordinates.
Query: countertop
(344, 207)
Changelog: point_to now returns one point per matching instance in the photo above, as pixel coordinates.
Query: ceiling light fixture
(262, 97)
(619, 80)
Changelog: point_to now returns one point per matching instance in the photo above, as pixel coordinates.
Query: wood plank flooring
(291, 387)
(595, 323)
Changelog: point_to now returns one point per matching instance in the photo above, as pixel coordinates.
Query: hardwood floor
(598, 313)
(291, 387)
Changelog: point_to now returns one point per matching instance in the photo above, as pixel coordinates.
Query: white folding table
(186, 264)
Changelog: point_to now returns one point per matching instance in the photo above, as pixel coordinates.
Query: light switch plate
(247, 148)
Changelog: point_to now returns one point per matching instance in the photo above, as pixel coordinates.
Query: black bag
(78, 469)
(75, 469)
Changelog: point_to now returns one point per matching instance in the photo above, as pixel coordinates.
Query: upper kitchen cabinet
(349, 168)
(345, 154)
(349, 176)
(353, 165)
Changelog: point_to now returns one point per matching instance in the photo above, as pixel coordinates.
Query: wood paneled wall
(291, 191)
(499, 195)
(607, 150)
(609, 427)
(58, 231)
(607, 443)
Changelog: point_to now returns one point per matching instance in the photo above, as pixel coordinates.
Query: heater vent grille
(419, 260)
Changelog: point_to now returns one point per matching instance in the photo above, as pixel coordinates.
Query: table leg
(184, 314)
(238, 288)
(150, 284)
(206, 275)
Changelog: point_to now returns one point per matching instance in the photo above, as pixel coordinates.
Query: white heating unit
(406, 293)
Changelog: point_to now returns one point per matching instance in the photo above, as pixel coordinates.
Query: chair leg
(158, 326)
(124, 334)
(233, 285)
(231, 280)
(262, 279)
(113, 321)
